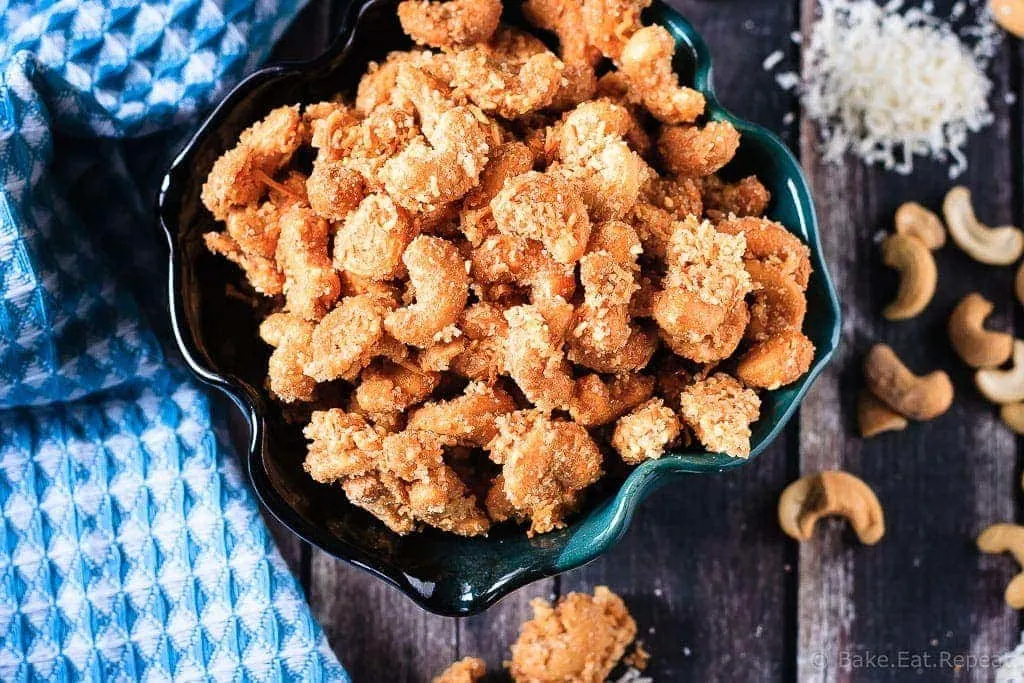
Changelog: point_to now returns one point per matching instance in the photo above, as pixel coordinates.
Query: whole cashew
(919, 398)
(1009, 14)
(918, 275)
(1003, 538)
(978, 347)
(995, 246)
(913, 220)
(874, 417)
(1004, 386)
(1013, 416)
(828, 493)
(1018, 284)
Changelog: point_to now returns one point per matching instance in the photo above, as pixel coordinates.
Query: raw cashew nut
(978, 347)
(829, 493)
(1013, 416)
(913, 220)
(1007, 538)
(1018, 284)
(1004, 386)
(874, 417)
(995, 246)
(918, 275)
(1009, 14)
(919, 398)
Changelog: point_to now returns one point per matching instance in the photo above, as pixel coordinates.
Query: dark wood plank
(924, 589)
(379, 635)
(704, 568)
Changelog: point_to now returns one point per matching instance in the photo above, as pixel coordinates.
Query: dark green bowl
(217, 334)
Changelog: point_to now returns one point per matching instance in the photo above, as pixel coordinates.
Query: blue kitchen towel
(131, 547)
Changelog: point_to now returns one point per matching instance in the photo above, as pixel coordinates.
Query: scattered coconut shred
(888, 85)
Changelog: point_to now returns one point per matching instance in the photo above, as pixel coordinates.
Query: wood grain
(924, 588)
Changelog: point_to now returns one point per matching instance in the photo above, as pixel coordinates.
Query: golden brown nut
(438, 275)
(468, 420)
(580, 639)
(646, 60)
(976, 346)
(644, 433)
(698, 151)
(466, 670)
(812, 497)
(451, 24)
(546, 465)
(919, 398)
(874, 417)
(720, 411)
(596, 402)
(777, 361)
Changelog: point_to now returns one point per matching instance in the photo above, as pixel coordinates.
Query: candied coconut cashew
(513, 75)
(311, 285)
(240, 175)
(580, 639)
(698, 151)
(976, 346)
(777, 361)
(913, 220)
(720, 411)
(546, 465)
(1004, 386)
(595, 154)
(450, 24)
(646, 60)
(433, 491)
(390, 387)
(777, 302)
(770, 243)
(608, 275)
(918, 398)
(347, 338)
(874, 417)
(564, 18)
(372, 239)
(546, 208)
(341, 445)
(466, 420)
(611, 23)
(290, 336)
(1007, 538)
(993, 246)
(831, 493)
(644, 433)
(438, 275)
(596, 402)
(466, 670)
(743, 198)
(918, 275)
(535, 360)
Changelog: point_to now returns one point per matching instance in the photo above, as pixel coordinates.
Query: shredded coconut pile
(890, 86)
(1011, 665)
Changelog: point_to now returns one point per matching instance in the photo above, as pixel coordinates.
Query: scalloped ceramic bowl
(217, 333)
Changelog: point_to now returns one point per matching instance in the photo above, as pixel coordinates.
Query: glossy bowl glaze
(216, 330)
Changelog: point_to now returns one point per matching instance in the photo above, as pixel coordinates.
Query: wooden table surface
(718, 592)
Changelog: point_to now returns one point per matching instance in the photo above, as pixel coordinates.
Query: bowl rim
(619, 509)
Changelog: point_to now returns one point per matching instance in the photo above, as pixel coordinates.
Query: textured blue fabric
(130, 545)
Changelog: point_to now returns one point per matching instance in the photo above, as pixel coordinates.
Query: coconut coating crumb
(720, 411)
(644, 433)
(580, 639)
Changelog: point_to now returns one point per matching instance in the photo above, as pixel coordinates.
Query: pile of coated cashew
(894, 394)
